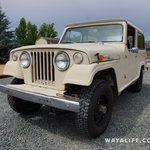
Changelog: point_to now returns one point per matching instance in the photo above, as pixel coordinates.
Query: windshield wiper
(68, 42)
(95, 42)
(91, 41)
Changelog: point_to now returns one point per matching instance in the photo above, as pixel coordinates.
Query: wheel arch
(84, 74)
(9, 69)
(108, 75)
(141, 67)
(76, 76)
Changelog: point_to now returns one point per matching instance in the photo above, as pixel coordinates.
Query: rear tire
(137, 86)
(22, 106)
(89, 120)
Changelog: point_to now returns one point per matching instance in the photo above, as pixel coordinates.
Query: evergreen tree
(32, 33)
(47, 30)
(26, 33)
(21, 33)
(43, 30)
(6, 36)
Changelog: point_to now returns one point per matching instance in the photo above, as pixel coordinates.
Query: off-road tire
(137, 86)
(85, 119)
(22, 106)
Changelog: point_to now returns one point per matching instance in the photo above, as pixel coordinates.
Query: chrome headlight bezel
(77, 58)
(25, 63)
(64, 59)
(14, 56)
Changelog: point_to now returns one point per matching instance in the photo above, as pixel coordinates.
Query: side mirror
(134, 50)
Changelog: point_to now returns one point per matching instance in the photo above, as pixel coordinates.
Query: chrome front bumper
(56, 102)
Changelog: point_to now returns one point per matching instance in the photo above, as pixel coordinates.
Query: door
(131, 61)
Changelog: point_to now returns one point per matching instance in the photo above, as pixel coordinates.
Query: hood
(108, 51)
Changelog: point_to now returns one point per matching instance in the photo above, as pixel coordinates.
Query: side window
(141, 43)
(131, 37)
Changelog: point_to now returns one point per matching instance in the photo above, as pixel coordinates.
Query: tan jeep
(93, 62)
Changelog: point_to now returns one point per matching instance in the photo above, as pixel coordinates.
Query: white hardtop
(101, 22)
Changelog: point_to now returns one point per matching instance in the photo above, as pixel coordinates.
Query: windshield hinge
(97, 54)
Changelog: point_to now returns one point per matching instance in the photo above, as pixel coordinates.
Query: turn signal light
(101, 57)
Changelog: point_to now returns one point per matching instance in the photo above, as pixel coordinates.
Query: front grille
(43, 71)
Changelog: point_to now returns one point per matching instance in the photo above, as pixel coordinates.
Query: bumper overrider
(57, 102)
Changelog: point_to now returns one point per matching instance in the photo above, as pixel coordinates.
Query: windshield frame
(70, 42)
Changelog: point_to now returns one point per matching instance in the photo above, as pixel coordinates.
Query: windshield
(95, 33)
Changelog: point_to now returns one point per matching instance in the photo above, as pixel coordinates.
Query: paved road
(130, 124)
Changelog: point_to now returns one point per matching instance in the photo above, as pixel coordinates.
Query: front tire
(90, 120)
(22, 106)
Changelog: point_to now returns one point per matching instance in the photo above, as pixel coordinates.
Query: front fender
(13, 68)
(84, 74)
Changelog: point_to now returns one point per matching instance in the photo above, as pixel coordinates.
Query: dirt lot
(40, 131)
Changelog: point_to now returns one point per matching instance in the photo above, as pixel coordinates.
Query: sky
(63, 12)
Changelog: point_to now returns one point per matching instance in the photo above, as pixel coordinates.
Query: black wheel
(96, 104)
(137, 86)
(22, 106)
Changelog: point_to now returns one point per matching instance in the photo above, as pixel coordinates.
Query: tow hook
(52, 111)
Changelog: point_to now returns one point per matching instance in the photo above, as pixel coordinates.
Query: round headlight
(78, 58)
(14, 56)
(61, 61)
(25, 59)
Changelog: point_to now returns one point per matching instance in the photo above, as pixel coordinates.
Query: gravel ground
(130, 120)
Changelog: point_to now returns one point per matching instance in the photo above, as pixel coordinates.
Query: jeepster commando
(93, 62)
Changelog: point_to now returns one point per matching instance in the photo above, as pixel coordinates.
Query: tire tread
(81, 118)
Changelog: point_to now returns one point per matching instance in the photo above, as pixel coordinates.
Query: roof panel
(102, 21)
(94, 22)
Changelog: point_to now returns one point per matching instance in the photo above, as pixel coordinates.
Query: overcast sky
(63, 12)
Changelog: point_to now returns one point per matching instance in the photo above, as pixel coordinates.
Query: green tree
(43, 30)
(32, 33)
(6, 36)
(47, 30)
(26, 33)
(21, 33)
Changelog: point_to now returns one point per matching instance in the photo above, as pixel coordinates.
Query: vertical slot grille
(43, 71)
